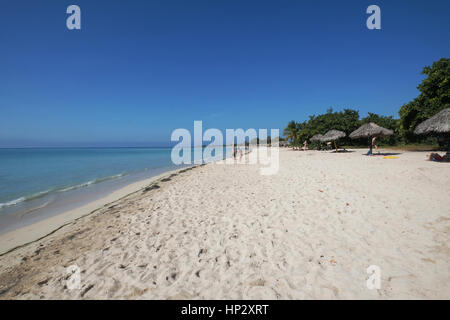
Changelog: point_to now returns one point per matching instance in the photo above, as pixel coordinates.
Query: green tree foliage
(434, 97)
(346, 120)
(291, 132)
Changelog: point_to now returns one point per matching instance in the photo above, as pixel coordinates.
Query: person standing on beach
(373, 144)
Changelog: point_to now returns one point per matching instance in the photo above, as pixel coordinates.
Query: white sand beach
(226, 232)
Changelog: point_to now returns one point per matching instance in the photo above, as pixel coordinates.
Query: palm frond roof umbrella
(370, 130)
(439, 123)
(316, 137)
(333, 135)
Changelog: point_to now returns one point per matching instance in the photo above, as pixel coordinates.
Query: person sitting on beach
(438, 158)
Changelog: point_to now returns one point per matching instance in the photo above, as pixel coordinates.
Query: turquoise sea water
(30, 173)
(38, 182)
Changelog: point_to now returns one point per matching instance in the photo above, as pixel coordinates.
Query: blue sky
(139, 69)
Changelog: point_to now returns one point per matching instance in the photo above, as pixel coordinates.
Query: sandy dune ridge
(227, 232)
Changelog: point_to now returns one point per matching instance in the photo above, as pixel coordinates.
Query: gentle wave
(12, 202)
(58, 190)
(90, 183)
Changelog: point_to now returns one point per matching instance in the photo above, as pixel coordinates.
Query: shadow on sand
(342, 151)
(382, 154)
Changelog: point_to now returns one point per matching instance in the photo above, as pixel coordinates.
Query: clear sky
(139, 69)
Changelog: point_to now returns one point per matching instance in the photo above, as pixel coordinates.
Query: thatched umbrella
(370, 130)
(332, 135)
(316, 137)
(439, 123)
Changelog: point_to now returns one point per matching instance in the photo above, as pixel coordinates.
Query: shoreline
(23, 235)
(14, 239)
(227, 232)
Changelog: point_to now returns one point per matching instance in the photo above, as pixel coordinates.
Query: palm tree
(291, 132)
